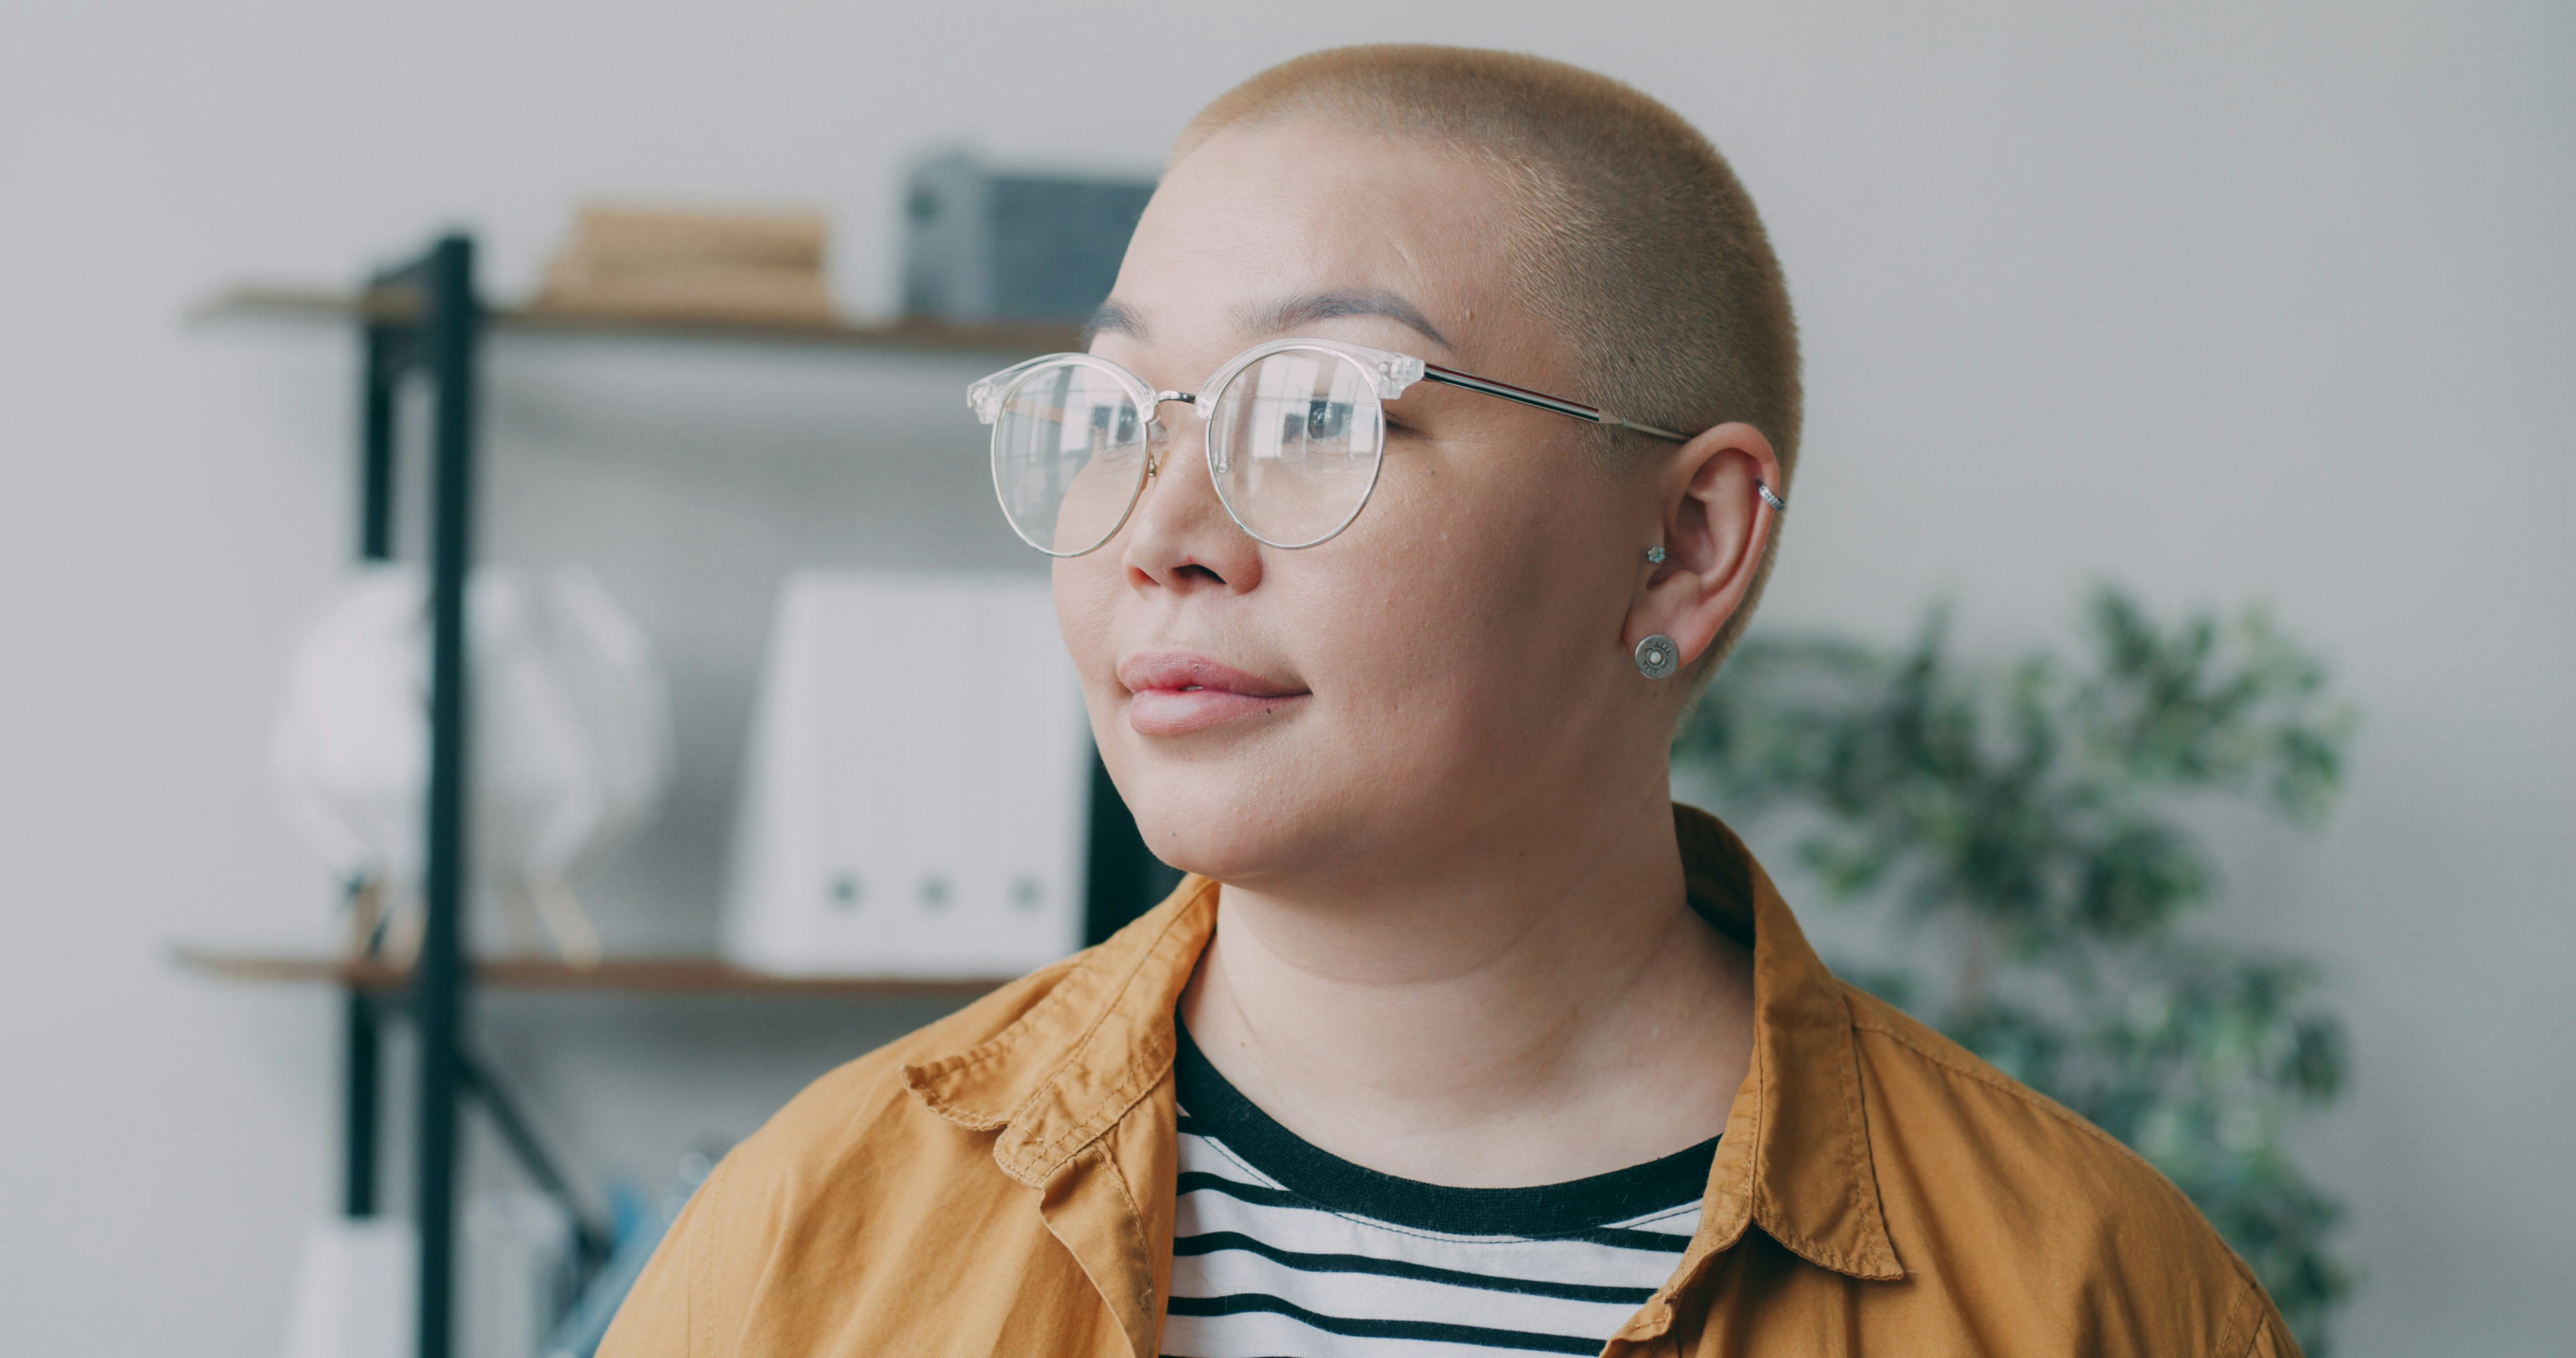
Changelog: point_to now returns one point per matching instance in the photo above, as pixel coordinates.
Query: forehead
(1260, 220)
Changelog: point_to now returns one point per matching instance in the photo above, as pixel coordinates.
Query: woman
(1460, 1038)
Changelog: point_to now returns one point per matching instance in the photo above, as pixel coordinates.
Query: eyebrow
(1336, 302)
(1113, 317)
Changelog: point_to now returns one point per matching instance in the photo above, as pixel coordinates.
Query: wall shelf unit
(422, 324)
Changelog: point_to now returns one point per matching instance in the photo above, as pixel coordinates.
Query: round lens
(1068, 457)
(1295, 444)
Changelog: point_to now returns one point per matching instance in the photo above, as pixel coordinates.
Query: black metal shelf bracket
(447, 339)
(436, 340)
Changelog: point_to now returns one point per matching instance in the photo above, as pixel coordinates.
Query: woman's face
(1452, 663)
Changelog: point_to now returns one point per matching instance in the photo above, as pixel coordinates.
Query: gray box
(984, 244)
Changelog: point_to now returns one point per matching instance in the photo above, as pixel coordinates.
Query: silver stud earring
(1658, 657)
(1655, 554)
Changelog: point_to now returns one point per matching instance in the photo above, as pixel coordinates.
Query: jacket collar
(1795, 1159)
(1085, 1053)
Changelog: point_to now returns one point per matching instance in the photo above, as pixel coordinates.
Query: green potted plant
(2028, 825)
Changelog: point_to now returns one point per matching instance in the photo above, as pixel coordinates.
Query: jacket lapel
(1079, 1091)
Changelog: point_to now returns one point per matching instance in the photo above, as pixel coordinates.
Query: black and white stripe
(1281, 1249)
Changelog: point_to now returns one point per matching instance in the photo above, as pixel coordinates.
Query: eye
(1113, 426)
(1325, 420)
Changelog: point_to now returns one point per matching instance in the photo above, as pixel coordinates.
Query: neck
(1531, 1004)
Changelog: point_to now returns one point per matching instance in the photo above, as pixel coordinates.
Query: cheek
(1479, 544)
(1455, 625)
(1086, 602)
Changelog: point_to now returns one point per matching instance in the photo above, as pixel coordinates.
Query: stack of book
(661, 263)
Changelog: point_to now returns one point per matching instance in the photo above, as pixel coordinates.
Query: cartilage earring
(1658, 657)
(1655, 554)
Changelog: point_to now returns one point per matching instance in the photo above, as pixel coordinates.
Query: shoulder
(1983, 1177)
(1940, 1092)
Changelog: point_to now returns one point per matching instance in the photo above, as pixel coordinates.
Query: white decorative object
(918, 794)
(569, 732)
(354, 1290)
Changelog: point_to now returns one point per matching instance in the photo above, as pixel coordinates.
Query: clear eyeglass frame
(1373, 377)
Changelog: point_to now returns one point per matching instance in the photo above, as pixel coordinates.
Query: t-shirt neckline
(1216, 1109)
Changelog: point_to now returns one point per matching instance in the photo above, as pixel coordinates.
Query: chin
(1218, 819)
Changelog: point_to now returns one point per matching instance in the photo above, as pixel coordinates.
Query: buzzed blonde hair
(1635, 239)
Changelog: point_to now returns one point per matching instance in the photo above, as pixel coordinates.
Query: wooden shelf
(634, 975)
(255, 301)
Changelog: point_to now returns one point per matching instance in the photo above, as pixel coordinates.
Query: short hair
(1635, 238)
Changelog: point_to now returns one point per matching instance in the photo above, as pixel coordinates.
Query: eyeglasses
(1296, 434)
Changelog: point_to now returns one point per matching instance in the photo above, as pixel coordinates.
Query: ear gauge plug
(1658, 657)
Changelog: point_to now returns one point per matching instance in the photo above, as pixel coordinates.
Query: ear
(1715, 525)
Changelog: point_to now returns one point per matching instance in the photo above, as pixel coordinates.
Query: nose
(1181, 538)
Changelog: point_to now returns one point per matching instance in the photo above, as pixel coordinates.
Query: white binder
(917, 798)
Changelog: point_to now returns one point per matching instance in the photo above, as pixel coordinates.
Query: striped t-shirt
(1281, 1250)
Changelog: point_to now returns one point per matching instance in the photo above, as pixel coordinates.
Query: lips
(1178, 692)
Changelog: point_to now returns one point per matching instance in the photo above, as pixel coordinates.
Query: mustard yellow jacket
(1001, 1182)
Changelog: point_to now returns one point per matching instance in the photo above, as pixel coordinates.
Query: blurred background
(2227, 305)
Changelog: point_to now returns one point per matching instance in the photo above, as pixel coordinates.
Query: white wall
(2226, 306)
